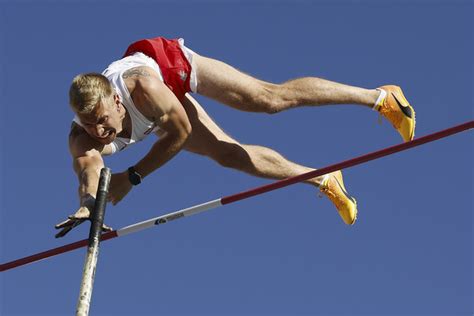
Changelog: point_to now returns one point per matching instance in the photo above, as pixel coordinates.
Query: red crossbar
(260, 190)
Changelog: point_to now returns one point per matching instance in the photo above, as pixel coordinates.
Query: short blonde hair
(87, 91)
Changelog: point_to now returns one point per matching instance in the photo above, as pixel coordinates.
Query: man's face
(105, 122)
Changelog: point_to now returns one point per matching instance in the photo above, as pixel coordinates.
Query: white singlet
(141, 126)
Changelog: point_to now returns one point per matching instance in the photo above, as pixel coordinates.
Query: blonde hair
(87, 91)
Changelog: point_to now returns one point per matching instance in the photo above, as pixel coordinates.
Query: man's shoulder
(76, 130)
(79, 139)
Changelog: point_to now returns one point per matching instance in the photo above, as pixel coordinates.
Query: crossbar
(243, 195)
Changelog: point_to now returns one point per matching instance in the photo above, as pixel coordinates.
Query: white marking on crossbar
(169, 217)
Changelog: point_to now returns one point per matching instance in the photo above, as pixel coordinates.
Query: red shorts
(174, 66)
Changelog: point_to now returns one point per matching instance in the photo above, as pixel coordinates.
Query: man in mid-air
(147, 92)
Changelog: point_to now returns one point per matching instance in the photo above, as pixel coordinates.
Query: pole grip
(97, 220)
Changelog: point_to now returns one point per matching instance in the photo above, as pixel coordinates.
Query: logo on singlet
(183, 75)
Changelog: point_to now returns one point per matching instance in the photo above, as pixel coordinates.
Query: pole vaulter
(242, 195)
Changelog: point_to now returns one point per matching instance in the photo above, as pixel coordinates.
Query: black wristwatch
(134, 177)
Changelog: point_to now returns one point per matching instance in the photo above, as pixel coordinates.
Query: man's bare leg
(210, 140)
(226, 84)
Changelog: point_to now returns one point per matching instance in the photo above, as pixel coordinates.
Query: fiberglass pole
(97, 220)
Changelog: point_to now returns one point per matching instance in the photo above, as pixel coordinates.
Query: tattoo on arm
(135, 72)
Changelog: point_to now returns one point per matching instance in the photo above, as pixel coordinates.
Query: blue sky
(283, 253)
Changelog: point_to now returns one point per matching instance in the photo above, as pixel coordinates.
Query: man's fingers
(106, 228)
(72, 220)
(63, 232)
(65, 223)
(78, 222)
(82, 213)
(81, 216)
(67, 226)
(78, 217)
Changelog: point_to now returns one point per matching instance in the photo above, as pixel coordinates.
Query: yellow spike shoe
(333, 187)
(396, 109)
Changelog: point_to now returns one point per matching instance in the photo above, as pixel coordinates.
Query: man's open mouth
(107, 137)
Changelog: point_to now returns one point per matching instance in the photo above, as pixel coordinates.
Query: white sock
(381, 97)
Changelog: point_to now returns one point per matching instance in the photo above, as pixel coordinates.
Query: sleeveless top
(141, 126)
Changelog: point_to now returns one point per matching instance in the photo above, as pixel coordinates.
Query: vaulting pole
(97, 220)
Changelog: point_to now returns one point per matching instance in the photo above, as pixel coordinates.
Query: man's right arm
(87, 163)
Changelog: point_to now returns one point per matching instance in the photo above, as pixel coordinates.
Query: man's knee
(270, 99)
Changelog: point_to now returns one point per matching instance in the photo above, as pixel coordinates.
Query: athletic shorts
(174, 60)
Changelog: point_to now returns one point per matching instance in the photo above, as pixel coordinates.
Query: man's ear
(117, 101)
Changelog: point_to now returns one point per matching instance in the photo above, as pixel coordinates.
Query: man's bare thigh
(224, 83)
(206, 137)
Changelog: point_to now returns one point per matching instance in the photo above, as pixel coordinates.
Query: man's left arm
(170, 115)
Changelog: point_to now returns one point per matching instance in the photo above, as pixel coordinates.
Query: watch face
(134, 177)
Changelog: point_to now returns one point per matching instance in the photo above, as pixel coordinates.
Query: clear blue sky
(283, 253)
